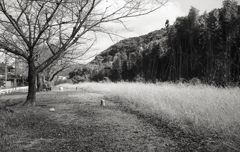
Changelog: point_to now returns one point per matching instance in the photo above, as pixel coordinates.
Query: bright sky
(156, 20)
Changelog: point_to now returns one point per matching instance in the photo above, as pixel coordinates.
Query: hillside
(130, 45)
(114, 61)
(206, 47)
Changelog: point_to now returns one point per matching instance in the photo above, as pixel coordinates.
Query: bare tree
(27, 25)
(48, 74)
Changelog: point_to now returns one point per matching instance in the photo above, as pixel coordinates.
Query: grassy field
(203, 110)
(137, 117)
(78, 124)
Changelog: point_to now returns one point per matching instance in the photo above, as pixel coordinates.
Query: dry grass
(201, 109)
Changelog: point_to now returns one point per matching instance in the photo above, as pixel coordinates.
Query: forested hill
(131, 44)
(205, 46)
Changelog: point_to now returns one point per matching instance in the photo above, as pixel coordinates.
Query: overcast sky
(155, 21)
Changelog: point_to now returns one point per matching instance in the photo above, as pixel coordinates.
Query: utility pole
(15, 79)
(6, 70)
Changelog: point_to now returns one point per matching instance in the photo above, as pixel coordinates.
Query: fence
(10, 90)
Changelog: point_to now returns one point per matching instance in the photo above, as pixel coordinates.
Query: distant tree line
(205, 46)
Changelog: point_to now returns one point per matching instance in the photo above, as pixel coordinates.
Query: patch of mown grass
(29, 127)
(4, 141)
(35, 131)
(90, 128)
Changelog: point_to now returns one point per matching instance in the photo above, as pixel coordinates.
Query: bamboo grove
(204, 46)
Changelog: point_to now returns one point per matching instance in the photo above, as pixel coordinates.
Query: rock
(61, 88)
(52, 109)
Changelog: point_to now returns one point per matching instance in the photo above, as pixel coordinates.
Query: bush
(62, 81)
(195, 81)
(106, 79)
(181, 80)
(138, 78)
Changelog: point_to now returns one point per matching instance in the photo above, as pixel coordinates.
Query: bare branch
(45, 31)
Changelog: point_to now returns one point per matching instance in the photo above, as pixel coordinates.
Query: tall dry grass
(203, 109)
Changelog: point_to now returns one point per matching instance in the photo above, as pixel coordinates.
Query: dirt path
(79, 123)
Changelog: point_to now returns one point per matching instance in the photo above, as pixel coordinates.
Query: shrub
(63, 81)
(106, 79)
(195, 81)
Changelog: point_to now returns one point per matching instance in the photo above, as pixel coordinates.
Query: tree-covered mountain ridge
(132, 44)
(204, 46)
(111, 61)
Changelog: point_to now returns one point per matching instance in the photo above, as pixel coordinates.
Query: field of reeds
(203, 110)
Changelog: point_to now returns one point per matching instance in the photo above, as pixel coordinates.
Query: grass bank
(204, 110)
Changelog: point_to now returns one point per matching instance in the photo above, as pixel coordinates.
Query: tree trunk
(180, 63)
(32, 73)
(40, 81)
(39, 84)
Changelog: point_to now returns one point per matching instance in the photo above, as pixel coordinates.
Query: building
(11, 78)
